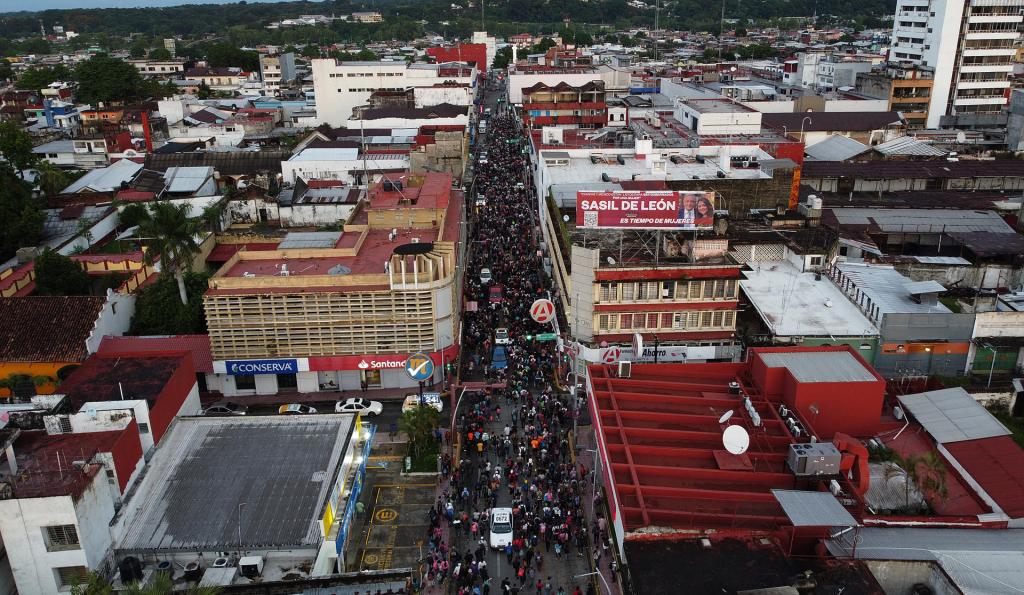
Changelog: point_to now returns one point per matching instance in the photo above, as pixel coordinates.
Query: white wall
(338, 169)
(430, 96)
(114, 319)
(857, 105)
(21, 524)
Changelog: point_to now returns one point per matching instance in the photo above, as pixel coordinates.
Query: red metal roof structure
(996, 464)
(197, 345)
(660, 438)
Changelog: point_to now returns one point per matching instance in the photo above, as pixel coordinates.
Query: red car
(496, 294)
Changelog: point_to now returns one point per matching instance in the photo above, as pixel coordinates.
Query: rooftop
(831, 121)
(112, 376)
(718, 106)
(282, 468)
(916, 220)
(45, 462)
(819, 366)
(105, 179)
(793, 303)
(895, 170)
(47, 329)
(952, 415)
(578, 170)
(887, 289)
(197, 345)
(836, 148)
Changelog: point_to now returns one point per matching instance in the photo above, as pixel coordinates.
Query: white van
(501, 527)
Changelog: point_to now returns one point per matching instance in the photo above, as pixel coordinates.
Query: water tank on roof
(130, 569)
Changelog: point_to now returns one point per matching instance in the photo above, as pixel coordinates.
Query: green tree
(226, 55)
(204, 91)
(51, 179)
(105, 79)
(160, 54)
(137, 51)
(36, 45)
(35, 79)
(503, 57)
(16, 146)
(159, 311)
(21, 217)
(6, 73)
(419, 424)
(170, 233)
(57, 274)
(162, 584)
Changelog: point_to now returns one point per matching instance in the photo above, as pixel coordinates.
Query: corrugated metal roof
(885, 287)
(310, 239)
(945, 260)
(813, 509)
(819, 366)
(885, 170)
(995, 463)
(105, 179)
(187, 179)
(923, 287)
(906, 145)
(281, 467)
(952, 415)
(836, 148)
(922, 220)
(979, 561)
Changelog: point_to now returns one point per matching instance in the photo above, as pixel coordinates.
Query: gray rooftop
(836, 148)
(820, 366)
(952, 415)
(281, 468)
(886, 288)
(922, 220)
(979, 561)
(310, 239)
(813, 509)
(906, 145)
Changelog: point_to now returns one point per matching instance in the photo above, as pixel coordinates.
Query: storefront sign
(251, 367)
(666, 353)
(645, 209)
(376, 362)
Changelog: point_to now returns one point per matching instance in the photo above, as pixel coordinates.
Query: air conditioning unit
(220, 563)
(251, 566)
(807, 460)
(625, 369)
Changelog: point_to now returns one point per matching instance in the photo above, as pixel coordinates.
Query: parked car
(501, 528)
(499, 358)
(359, 405)
(413, 401)
(226, 408)
(296, 409)
(485, 276)
(501, 336)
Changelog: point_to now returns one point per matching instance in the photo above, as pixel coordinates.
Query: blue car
(499, 359)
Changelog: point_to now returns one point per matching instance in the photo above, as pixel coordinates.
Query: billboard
(645, 209)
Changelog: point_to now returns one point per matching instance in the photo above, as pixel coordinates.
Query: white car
(501, 336)
(359, 405)
(413, 401)
(485, 276)
(296, 409)
(501, 527)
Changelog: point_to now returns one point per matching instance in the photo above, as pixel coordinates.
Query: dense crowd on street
(514, 446)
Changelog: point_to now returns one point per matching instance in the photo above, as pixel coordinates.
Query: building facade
(276, 71)
(970, 44)
(565, 105)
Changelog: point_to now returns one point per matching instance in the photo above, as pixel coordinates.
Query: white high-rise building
(341, 86)
(969, 43)
(492, 45)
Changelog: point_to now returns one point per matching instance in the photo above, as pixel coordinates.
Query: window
(719, 288)
(668, 290)
(69, 576)
(730, 319)
(694, 290)
(730, 288)
(652, 321)
(708, 289)
(625, 321)
(143, 428)
(705, 319)
(693, 320)
(61, 537)
(602, 322)
(628, 291)
(666, 320)
(608, 292)
(111, 477)
(816, 261)
(648, 291)
(680, 320)
(717, 319)
(245, 382)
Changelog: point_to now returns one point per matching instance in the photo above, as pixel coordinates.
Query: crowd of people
(513, 435)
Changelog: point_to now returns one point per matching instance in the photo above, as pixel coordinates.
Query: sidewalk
(585, 443)
(374, 394)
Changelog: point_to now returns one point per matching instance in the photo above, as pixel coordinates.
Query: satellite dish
(725, 416)
(961, 137)
(736, 440)
(565, 218)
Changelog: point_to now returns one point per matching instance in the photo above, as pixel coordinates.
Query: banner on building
(653, 209)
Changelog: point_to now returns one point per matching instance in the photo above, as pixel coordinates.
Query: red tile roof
(996, 464)
(47, 328)
(197, 345)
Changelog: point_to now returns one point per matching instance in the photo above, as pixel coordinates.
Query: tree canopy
(35, 79)
(105, 79)
(57, 274)
(159, 311)
(21, 217)
(227, 55)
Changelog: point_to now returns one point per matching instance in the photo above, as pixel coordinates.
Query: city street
(511, 446)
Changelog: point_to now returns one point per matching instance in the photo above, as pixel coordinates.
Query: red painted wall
(171, 398)
(466, 52)
(126, 452)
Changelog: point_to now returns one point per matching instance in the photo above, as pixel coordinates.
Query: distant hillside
(503, 16)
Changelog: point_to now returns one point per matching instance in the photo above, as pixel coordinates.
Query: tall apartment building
(970, 44)
(277, 70)
(341, 86)
(565, 105)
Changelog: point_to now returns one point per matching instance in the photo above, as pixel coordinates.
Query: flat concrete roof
(274, 472)
(793, 303)
(583, 170)
(718, 106)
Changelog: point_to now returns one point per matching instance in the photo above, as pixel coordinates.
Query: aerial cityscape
(593, 297)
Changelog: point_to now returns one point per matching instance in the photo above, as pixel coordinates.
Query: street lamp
(802, 122)
(607, 588)
(992, 367)
(240, 505)
(455, 413)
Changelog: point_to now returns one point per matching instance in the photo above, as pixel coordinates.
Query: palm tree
(170, 235)
(927, 472)
(419, 424)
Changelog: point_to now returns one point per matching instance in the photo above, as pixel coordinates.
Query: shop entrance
(371, 378)
(287, 382)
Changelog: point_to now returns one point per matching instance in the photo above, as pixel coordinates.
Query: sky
(17, 5)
